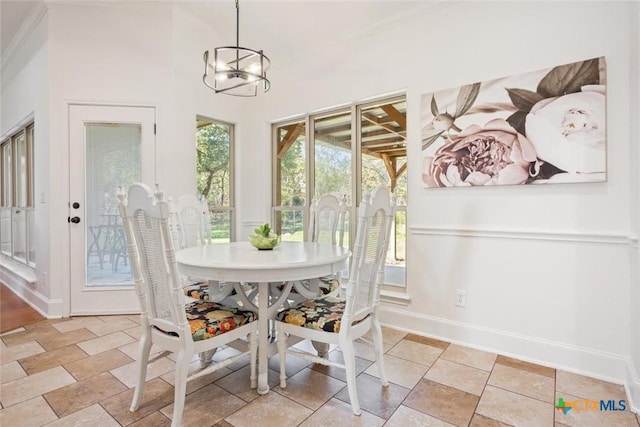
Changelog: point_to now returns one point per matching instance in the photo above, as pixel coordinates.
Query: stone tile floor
(79, 371)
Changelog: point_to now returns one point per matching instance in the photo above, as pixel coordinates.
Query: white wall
(546, 268)
(633, 379)
(24, 96)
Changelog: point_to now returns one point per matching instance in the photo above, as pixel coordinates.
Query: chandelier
(236, 70)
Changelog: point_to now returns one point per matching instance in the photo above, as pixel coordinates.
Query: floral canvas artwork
(546, 126)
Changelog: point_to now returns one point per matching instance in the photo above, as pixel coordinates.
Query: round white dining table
(241, 262)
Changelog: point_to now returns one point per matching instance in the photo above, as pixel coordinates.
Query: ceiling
(12, 14)
(287, 29)
(284, 29)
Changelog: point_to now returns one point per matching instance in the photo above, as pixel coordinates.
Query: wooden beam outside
(389, 142)
(390, 129)
(396, 115)
(402, 170)
(389, 164)
(329, 130)
(371, 153)
(378, 132)
(293, 131)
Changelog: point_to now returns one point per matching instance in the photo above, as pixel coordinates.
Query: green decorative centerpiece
(264, 239)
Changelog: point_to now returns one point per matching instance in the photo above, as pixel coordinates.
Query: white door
(110, 148)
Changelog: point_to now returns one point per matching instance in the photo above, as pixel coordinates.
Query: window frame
(354, 109)
(276, 210)
(20, 186)
(202, 120)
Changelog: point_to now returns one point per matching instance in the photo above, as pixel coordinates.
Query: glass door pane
(332, 140)
(31, 222)
(19, 219)
(333, 171)
(291, 177)
(383, 133)
(112, 162)
(214, 168)
(6, 199)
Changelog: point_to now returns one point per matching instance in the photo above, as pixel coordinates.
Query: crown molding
(36, 14)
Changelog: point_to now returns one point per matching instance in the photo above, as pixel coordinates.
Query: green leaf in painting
(426, 142)
(517, 120)
(569, 78)
(466, 97)
(434, 106)
(524, 99)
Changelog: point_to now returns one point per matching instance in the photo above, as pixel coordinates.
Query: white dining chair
(190, 221)
(167, 321)
(342, 321)
(190, 224)
(327, 218)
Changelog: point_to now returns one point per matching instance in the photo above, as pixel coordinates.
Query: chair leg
(253, 354)
(182, 368)
(272, 330)
(377, 344)
(349, 354)
(282, 353)
(322, 348)
(206, 356)
(144, 348)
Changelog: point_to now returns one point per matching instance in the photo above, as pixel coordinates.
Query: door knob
(75, 219)
(76, 205)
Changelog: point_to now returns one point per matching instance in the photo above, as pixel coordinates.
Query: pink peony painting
(541, 127)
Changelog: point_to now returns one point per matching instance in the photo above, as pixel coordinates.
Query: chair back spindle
(375, 218)
(150, 244)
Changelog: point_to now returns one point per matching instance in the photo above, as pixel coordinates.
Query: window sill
(395, 297)
(16, 272)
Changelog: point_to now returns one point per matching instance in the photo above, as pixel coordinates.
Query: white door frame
(103, 300)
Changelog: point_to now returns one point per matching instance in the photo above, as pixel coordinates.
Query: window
(383, 160)
(17, 229)
(343, 152)
(291, 175)
(214, 166)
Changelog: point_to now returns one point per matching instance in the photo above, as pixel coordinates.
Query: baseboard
(23, 285)
(596, 364)
(632, 387)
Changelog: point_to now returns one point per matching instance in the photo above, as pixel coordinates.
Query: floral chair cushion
(208, 319)
(328, 284)
(200, 290)
(319, 314)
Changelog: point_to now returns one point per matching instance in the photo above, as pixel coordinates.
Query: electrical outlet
(461, 298)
